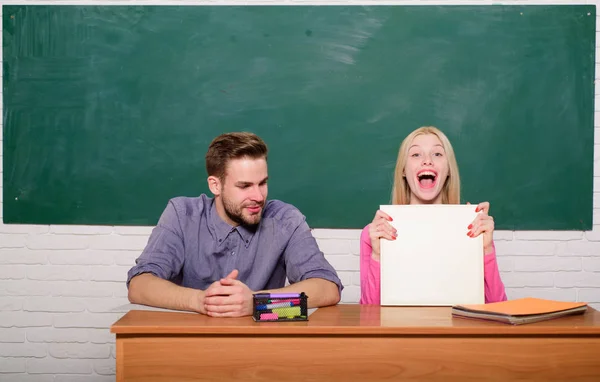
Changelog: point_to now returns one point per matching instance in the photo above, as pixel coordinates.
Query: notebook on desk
(520, 311)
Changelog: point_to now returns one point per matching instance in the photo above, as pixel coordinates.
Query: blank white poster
(432, 261)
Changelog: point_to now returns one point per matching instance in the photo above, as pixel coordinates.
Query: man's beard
(235, 213)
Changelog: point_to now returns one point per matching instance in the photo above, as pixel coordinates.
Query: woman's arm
(370, 282)
(494, 288)
(484, 225)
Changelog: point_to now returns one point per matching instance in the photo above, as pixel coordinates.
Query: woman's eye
(415, 155)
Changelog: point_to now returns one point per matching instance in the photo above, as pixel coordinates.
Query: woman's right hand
(379, 228)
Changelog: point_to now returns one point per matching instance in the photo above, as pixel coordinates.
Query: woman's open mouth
(427, 178)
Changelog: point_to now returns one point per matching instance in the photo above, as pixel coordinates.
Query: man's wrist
(196, 300)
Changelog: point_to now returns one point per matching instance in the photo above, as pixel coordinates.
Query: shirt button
(233, 253)
(246, 241)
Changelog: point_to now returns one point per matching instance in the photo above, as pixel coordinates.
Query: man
(209, 255)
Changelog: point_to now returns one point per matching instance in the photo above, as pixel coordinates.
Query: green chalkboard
(108, 110)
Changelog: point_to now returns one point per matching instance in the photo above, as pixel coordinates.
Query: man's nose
(257, 194)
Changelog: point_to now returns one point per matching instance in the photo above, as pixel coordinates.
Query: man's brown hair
(230, 146)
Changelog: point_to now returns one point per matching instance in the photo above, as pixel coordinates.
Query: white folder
(432, 261)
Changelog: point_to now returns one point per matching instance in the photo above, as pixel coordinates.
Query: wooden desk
(355, 343)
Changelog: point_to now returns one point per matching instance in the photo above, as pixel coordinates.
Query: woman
(426, 173)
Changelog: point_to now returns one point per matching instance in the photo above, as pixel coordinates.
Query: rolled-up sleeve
(164, 253)
(303, 258)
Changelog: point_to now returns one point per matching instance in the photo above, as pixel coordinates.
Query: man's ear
(214, 184)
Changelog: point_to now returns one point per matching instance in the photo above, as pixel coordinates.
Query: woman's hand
(483, 224)
(379, 228)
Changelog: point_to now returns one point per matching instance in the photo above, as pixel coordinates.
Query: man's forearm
(320, 292)
(148, 289)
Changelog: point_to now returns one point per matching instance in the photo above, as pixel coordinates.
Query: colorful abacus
(280, 307)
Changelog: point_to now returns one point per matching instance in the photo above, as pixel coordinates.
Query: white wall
(58, 284)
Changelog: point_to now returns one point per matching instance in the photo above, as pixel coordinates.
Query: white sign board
(432, 261)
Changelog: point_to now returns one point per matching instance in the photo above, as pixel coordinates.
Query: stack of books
(520, 311)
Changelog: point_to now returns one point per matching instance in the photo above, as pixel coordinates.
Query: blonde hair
(451, 190)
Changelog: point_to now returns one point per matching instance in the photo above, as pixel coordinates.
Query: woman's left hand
(483, 224)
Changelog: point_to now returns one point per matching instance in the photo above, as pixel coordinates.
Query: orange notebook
(520, 311)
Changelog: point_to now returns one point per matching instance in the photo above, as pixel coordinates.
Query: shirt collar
(223, 229)
(247, 233)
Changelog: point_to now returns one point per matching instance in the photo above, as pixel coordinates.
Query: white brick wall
(58, 284)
